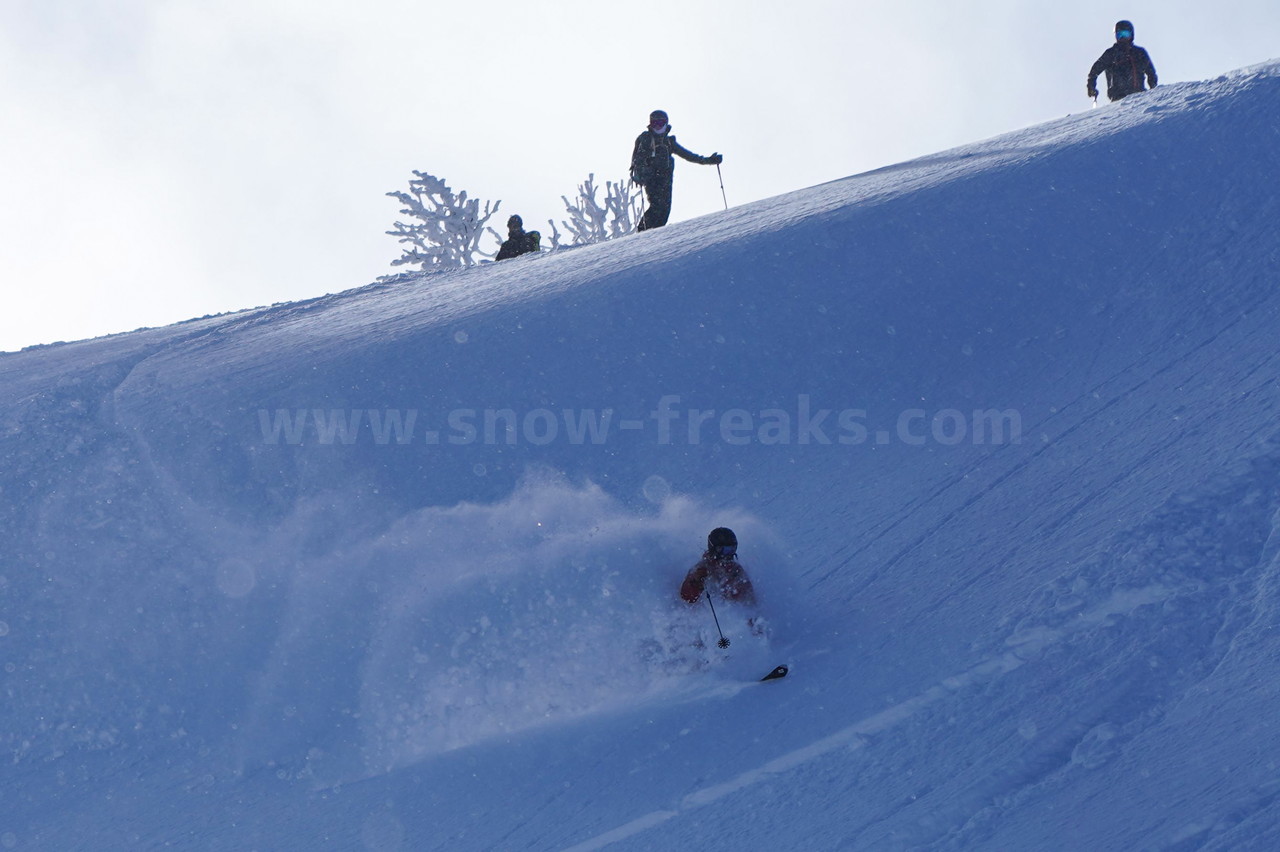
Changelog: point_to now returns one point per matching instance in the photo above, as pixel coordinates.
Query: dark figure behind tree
(518, 241)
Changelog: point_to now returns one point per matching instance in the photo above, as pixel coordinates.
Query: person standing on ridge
(653, 167)
(1126, 65)
(719, 568)
(518, 240)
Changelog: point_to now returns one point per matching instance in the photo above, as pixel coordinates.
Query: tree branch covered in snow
(448, 226)
(591, 222)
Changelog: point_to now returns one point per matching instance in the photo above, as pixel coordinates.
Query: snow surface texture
(396, 568)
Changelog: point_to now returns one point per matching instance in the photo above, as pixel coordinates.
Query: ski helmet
(658, 115)
(515, 222)
(1124, 27)
(722, 542)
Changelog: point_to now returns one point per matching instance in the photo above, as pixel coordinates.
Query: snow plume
(458, 624)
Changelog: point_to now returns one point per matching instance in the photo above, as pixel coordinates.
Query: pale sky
(167, 159)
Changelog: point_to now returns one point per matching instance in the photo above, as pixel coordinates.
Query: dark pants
(659, 210)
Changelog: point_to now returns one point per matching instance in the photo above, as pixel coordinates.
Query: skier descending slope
(720, 575)
(719, 566)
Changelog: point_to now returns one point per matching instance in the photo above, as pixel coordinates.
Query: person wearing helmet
(518, 241)
(719, 572)
(1125, 64)
(653, 167)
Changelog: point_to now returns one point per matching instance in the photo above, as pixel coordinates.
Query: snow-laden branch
(592, 222)
(447, 229)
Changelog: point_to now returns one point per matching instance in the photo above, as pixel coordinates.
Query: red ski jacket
(726, 576)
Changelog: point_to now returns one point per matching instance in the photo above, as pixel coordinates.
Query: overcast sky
(166, 159)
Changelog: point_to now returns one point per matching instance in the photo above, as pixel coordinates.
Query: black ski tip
(780, 671)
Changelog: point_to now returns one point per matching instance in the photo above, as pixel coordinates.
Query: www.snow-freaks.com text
(805, 424)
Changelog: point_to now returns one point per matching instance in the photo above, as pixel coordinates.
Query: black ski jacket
(652, 162)
(1125, 66)
(518, 243)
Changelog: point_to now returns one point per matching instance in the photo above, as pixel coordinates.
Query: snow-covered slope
(997, 429)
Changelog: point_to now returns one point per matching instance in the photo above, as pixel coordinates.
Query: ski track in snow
(1026, 646)
(349, 645)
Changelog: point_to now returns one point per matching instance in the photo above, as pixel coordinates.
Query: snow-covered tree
(447, 229)
(591, 222)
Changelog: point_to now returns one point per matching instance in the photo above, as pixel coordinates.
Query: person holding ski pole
(1125, 64)
(719, 572)
(653, 167)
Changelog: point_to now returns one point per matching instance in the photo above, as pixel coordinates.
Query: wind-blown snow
(396, 568)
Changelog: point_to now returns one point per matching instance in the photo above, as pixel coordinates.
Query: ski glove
(1092, 92)
(715, 160)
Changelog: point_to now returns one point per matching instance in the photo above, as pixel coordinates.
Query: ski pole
(723, 643)
(645, 204)
(726, 204)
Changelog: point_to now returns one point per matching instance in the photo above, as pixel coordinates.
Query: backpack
(644, 163)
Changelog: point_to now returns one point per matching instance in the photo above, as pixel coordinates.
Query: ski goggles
(726, 551)
(1124, 34)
